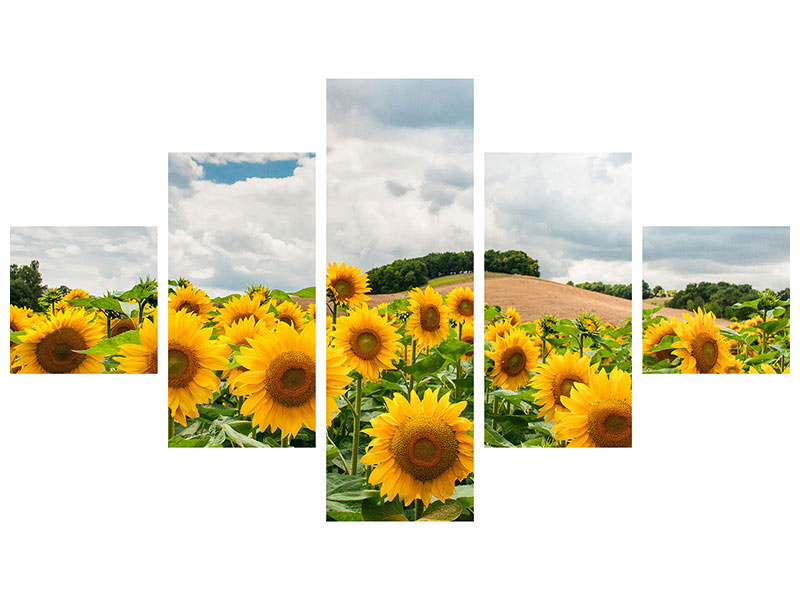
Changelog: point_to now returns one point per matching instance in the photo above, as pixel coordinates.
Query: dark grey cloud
(416, 103)
(675, 256)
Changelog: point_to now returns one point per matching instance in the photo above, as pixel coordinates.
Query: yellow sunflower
(193, 358)
(336, 379)
(242, 307)
(428, 320)
(348, 285)
(701, 348)
(71, 295)
(420, 447)
(311, 312)
(237, 333)
(655, 333)
(291, 314)
(555, 380)
(598, 414)
(736, 367)
(21, 318)
(368, 342)
(142, 357)
(280, 381)
(121, 326)
(513, 316)
(497, 330)
(468, 335)
(49, 347)
(514, 356)
(193, 300)
(461, 304)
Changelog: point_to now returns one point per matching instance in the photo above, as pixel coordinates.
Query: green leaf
(195, 442)
(438, 511)
(309, 292)
(279, 295)
(111, 345)
(454, 349)
(493, 438)
(239, 439)
(665, 344)
(16, 337)
(388, 511)
(761, 358)
(425, 366)
(347, 488)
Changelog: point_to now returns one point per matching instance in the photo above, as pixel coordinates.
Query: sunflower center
(465, 308)
(344, 289)
(429, 318)
(470, 340)
(424, 447)
(609, 423)
(188, 306)
(564, 389)
(286, 319)
(291, 379)
(55, 352)
(513, 361)
(152, 362)
(705, 352)
(182, 366)
(366, 344)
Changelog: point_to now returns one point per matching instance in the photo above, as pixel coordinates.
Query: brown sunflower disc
(55, 351)
(424, 447)
(610, 424)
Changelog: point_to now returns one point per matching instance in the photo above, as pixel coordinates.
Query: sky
(570, 211)
(399, 168)
(675, 256)
(95, 259)
(236, 219)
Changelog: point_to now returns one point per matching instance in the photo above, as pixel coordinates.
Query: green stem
(764, 334)
(458, 362)
(418, 508)
(495, 405)
(356, 428)
(411, 375)
(341, 458)
(333, 319)
(141, 310)
(285, 441)
(108, 325)
(580, 344)
(170, 426)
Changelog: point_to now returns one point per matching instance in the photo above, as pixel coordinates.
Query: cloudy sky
(96, 259)
(239, 219)
(571, 212)
(675, 256)
(399, 168)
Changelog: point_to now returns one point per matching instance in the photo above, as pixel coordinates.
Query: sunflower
(655, 333)
(700, 347)
(191, 299)
(280, 381)
(556, 379)
(513, 316)
(291, 314)
(420, 447)
(122, 326)
(259, 292)
(336, 379)
(736, 367)
(49, 347)
(468, 335)
(21, 318)
(587, 323)
(142, 357)
(237, 333)
(514, 357)
(598, 414)
(71, 295)
(311, 312)
(427, 323)
(461, 304)
(193, 358)
(497, 330)
(242, 307)
(348, 285)
(369, 343)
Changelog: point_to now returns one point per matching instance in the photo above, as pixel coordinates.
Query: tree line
(718, 298)
(610, 289)
(406, 273)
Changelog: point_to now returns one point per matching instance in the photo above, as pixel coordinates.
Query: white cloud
(395, 191)
(224, 237)
(572, 212)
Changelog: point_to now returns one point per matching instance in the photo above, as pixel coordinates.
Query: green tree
(26, 287)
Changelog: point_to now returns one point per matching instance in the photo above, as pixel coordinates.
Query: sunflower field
(697, 343)
(556, 382)
(242, 368)
(75, 332)
(399, 403)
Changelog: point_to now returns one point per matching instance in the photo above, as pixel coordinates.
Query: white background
(704, 95)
